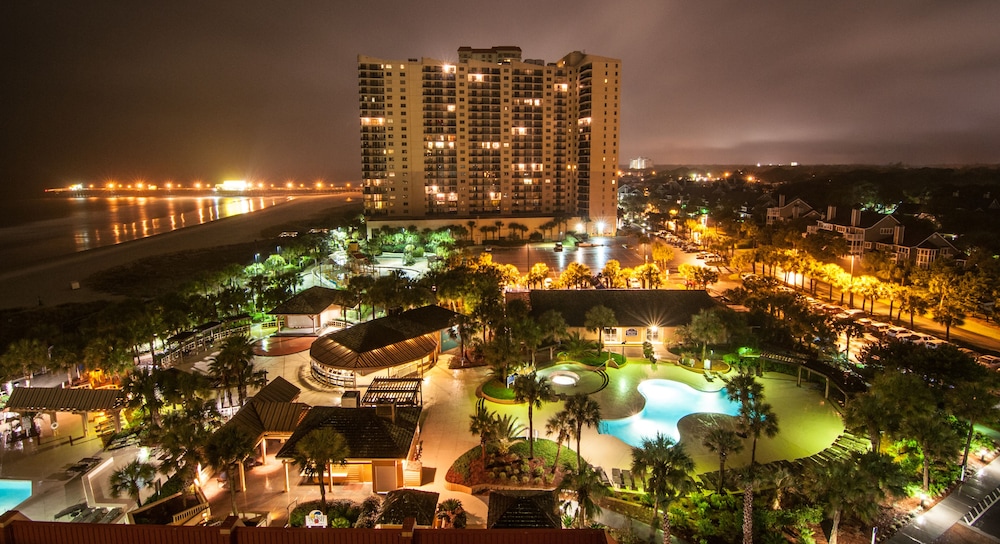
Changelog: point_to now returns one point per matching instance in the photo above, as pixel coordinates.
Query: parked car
(971, 353)
(896, 332)
(878, 328)
(989, 360)
(921, 338)
(934, 343)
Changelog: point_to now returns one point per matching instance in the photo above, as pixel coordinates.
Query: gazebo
(388, 347)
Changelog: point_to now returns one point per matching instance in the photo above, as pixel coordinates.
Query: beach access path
(51, 282)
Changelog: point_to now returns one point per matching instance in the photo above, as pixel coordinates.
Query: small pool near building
(667, 402)
(13, 493)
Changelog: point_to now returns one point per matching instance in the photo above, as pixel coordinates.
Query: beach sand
(51, 282)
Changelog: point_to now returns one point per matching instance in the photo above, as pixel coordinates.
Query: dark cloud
(211, 89)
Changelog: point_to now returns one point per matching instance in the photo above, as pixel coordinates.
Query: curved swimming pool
(667, 402)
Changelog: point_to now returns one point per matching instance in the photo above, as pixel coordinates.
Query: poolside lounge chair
(603, 476)
(708, 376)
(627, 477)
(616, 477)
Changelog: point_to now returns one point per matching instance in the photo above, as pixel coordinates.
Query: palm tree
(782, 479)
(589, 489)
(706, 327)
(560, 425)
(225, 380)
(856, 484)
(182, 439)
(756, 416)
(669, 470)
(23, 357)
(750, 481)
(535, 391)
(506, 432)
(583, 411)
(131, 479)
(756, 419)
(141, 391)
(722, 441)
(228, 447)
(599, 318)
(236, 358)
(482, 423)
(317, 450)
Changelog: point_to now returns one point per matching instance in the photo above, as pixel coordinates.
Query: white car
(989, 360)
(896, 332)
(934, 343)
(879, 328)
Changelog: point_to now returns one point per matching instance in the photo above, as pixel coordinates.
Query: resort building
(795, 209)
(490, 136)
(642, 314)
(389, 347)
(862, 229)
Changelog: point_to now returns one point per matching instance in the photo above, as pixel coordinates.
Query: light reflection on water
(40, 229)
(667, 402)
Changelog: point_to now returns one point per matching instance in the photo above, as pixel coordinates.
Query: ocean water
(40, 229)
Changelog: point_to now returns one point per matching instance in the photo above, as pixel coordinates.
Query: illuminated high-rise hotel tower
(491, 136)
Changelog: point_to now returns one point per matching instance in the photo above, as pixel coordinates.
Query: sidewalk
(972, 494)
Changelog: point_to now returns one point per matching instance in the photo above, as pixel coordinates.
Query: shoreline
(50, 281)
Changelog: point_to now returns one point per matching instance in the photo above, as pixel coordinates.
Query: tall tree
(561, 425)
(319, 449)
(583, 412)
(481, 423)
(706, 327)
(228, 447)
(142, 391)
(973, 402)
(666, 468)
(589, 489)
(722, 441)
(535, 391)
(856, 485)
(236, 358)
(597, 319)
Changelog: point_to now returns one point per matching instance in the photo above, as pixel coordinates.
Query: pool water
(13, 493)
(667, 402)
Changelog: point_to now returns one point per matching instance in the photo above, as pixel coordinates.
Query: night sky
(211, 90)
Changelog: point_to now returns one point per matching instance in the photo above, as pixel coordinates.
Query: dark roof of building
(371, 433)
(408, 503)
(523, 509)
(867, 220)
(278, 390)
(384, 342)
(632, 307)
(311, 301)
(271, 411)
(64, 400)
